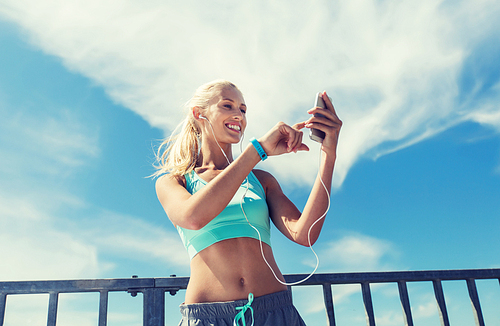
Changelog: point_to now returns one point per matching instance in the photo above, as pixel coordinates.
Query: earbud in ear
(202, 117)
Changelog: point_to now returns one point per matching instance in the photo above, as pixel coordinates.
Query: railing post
(52, 315)
(154, 307)
(405, 302)
(3, 301)
(328, 297)
(367, 300)
(474, 299)
(443, 313)
(103, 308)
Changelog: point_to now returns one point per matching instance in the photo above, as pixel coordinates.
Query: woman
(201, 189)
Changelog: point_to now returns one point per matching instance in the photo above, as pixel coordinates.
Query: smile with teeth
(234, 127)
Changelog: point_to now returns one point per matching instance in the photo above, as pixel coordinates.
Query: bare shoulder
(172, 194)
(167, 181)
(267, 180)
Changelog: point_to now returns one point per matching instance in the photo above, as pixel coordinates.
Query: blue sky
(88, 88)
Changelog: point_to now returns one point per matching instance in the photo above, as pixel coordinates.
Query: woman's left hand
(329, 123)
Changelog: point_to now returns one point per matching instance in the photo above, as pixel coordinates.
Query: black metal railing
(154, 289)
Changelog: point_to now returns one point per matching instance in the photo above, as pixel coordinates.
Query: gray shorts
(273, 309)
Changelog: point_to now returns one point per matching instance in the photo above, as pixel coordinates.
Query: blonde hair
(178, 154)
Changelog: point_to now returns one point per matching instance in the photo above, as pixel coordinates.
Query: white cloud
(310, 298)
(42, 150)
(41, 153)
(392, 67)
(26, 310)
(73, 310)
(352, 252)
(357, 252)
(425, 310)
(488, 114)
(128, 236)
(37, 143)
(31, 248)
(38, 151)
(39, 245)
(389, 318)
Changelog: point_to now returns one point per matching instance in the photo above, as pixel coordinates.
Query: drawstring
(241, 314)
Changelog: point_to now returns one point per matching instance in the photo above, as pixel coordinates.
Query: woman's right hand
(282, 139)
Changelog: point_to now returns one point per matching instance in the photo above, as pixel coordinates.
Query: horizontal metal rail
(154, 289)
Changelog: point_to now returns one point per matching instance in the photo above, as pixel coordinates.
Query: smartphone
(315, 134)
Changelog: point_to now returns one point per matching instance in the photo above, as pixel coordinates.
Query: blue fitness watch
(259, 148)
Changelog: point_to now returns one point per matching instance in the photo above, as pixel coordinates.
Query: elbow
(304, 241)
(194, 221)
(192, 225)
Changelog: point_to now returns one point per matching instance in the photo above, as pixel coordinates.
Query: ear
(196, 112)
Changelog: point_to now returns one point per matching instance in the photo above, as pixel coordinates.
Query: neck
(212, 156)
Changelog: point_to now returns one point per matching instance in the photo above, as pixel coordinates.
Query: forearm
(211, 200)
(317, 203)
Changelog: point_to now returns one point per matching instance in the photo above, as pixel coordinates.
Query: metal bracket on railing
(170, 289)
(173, 291)
(132, 291)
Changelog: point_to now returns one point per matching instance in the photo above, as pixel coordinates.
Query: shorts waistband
(260, 304)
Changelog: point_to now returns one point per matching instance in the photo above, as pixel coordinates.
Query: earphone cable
(308, 236)
(260, 237)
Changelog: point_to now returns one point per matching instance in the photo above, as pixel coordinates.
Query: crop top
(231, 222)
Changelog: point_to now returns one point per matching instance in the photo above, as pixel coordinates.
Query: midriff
(230, 269)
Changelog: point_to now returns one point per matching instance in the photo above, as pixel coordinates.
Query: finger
(298, 141)
(327, 129)
(323, 116)
(327, 119)
(293, 139)
(323, 111)
(299, 125)
(303, 147)
(288, 135)
(329, 104)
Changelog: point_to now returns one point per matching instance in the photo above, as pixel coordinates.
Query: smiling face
(227, 114)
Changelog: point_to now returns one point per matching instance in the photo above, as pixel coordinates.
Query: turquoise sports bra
(231, 222)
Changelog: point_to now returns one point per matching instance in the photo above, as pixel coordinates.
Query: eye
(228, 106)
(243, 111)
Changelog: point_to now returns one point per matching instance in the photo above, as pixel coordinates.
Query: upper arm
(282, 211)
(172, 194)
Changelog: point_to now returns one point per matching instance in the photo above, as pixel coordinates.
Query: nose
(238, 115)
